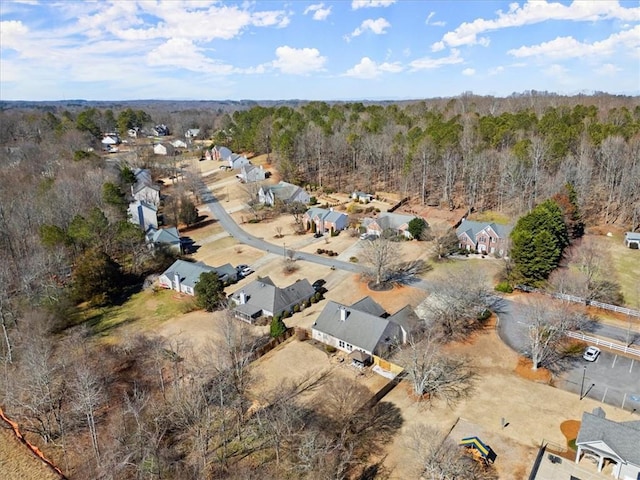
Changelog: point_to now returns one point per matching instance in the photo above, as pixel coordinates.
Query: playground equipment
(485, 451)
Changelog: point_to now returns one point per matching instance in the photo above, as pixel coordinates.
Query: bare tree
(379, 254)
(437, 457)
(548, 325)
(89, 393)
(434, 375)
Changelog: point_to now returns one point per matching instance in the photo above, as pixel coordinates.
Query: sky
(319, 50)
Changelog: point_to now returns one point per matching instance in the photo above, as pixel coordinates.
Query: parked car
(241, 267)
(591, 354)
(245, 272)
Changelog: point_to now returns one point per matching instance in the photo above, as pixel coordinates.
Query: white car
(591, 354)
(245, 272)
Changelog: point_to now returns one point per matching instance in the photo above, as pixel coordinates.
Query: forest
(125, 411)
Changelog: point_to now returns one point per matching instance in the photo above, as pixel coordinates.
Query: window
(349, 347)
(341, 344)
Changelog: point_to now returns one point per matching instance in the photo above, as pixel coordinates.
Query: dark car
(317, 235)
(319, 285)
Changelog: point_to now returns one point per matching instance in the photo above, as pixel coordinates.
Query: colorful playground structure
(485, 451)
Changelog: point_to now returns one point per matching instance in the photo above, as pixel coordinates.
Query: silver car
(591, 354)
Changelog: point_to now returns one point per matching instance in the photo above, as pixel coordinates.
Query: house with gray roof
(220, 153)
(143, 214)
(609, 442)
(236, 161)
(395, 222)
(364, 326)
(164, 237)
(484, 237)
(321, 220)
(632, 240)
(285, 192)
(252, 173)
(182, 276)
(262, 298)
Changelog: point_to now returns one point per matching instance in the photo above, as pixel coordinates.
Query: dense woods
(557, 163)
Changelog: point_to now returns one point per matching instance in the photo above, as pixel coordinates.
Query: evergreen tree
(277, 327)
(209, 291)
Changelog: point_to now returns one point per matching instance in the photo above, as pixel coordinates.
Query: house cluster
(483, 237)
(143, 211)
(363, 329)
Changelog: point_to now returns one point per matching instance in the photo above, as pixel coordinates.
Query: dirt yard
(534, 411)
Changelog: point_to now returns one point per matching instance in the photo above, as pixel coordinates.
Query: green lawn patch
(490, 216)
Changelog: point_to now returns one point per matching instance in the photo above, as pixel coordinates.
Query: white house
(110, 140)
(362, 197)
(609, 442)
(363, 326)
(179, 143)
(632, 240)
(143, 214)
(163, 149)
(182, 276)
(283, 191)
(237, 161)
(251, 173)
(146, 193)
(192, 133)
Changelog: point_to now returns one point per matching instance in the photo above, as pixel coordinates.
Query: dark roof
(623, 438)
(262, 293)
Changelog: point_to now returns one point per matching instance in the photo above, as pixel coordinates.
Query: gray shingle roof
(369, 305)
(188, 272)
(169, 236)
(623, 438)
(360, 329)
(635, 236)
(263, 294)
(472, 228)
(324, 214)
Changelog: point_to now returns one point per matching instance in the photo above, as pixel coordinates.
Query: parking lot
(613, 379)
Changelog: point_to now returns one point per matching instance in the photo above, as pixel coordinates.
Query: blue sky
(323, 50)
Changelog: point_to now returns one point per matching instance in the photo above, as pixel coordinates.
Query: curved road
(512, 331)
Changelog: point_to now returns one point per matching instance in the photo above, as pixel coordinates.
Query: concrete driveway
(612, 379)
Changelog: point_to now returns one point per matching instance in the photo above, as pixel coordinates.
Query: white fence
(605, 343)
(591, 303)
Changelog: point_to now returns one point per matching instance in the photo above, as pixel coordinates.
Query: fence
(605, 343)
(584, 301)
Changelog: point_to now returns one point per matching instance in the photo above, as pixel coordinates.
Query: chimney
(176, 281)
(243, 297)
(331, 209)
(343, 314)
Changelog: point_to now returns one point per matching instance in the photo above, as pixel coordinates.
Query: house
(134, 132)
(395, 222)
(632, 240)
(146, 193)
(164, 149)
(192, 133)
(484, 237)
(179, 144)
(110, 140)
(321, 220)
(609, 442)
(362, 197)
(363, 326)
(251, 173)
(164, 237)
(262, 298)
(222, 154)
(160, 130)
(237, 161)
(182, 276)
(143, 214)
(285, 192)
(142, 176)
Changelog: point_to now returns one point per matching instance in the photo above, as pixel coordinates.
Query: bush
(286, 314)
(353, 259)
(254, 220)
(330, 349)
(296, 308)
(504, 287)
(320, 251)
(313, 200)
(483, 316)
(278, 328)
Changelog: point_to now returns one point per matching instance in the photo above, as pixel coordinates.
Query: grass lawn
(143, 311)
(626, 263)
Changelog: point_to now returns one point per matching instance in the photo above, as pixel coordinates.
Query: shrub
(353, 259)
(320, 251)
(330, 349)
(254, 220)
(504, 287)
(314, 299)
(296, 308)
(484, 315)
(286, 314)
(277, 328)
(313, 200)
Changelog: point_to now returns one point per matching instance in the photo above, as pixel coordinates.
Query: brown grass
(17, 462)
(570, 429)
(523, 369)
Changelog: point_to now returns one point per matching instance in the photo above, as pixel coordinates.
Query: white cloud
(535, 12)
(469, 72)
(496, 70)
(378, 27)
(558, 72)
(367, 68)
(569, 47)
(430, 63)
(12, 33)
(183, 53)
(356, 4)
(607, 70)
(298, 61)
(438, 23)
(319, 12)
